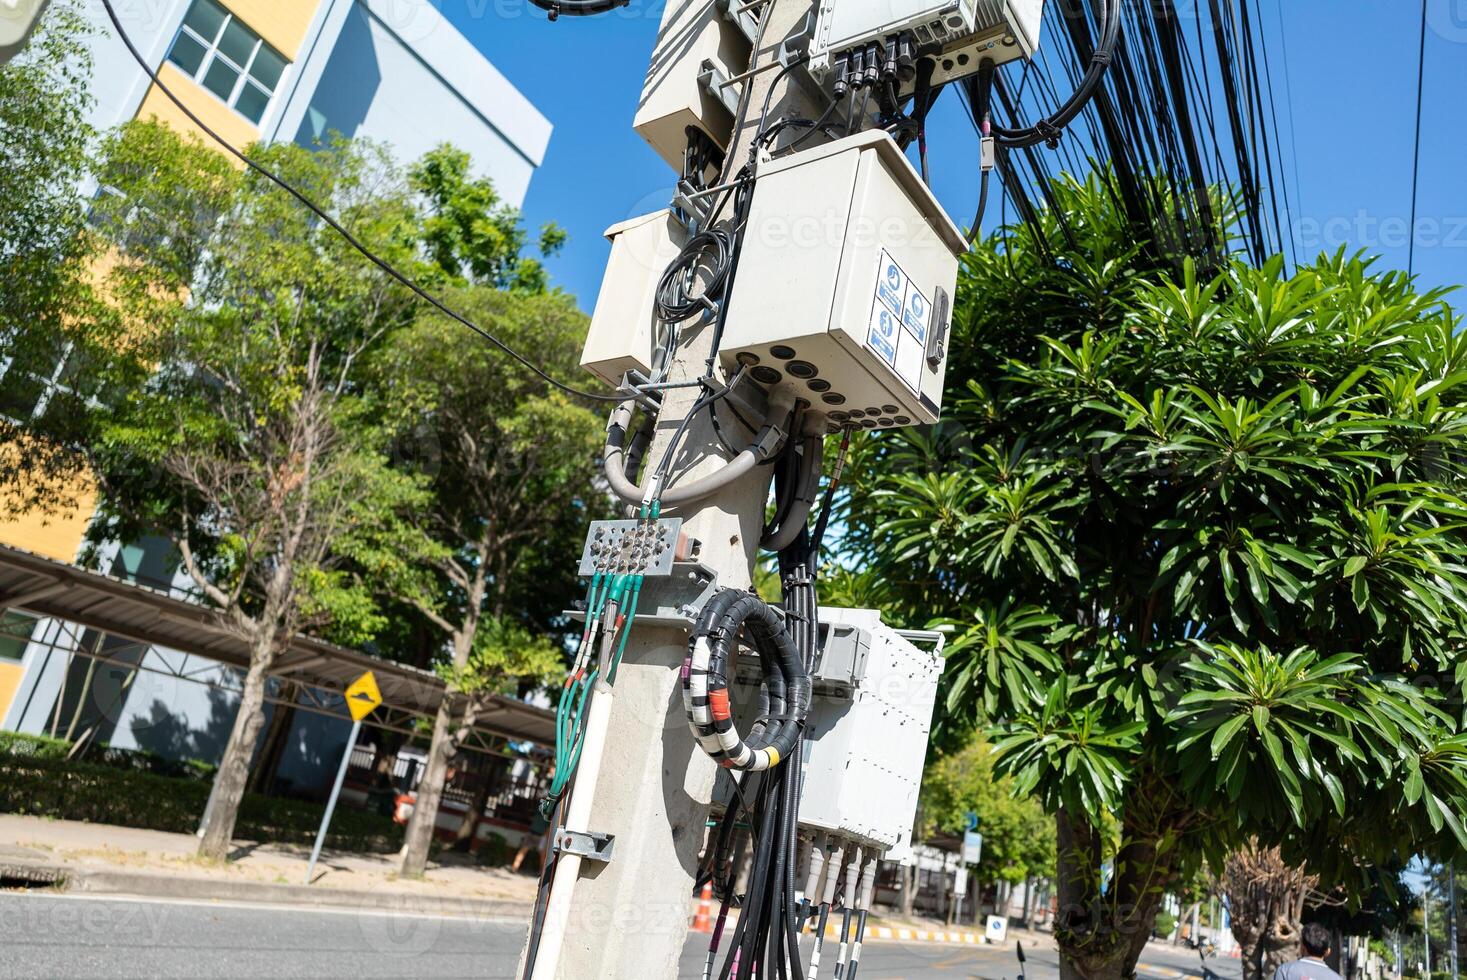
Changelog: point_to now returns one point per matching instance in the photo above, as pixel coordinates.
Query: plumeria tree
(1201, 535)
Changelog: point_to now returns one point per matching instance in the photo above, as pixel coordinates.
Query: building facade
(394, 71)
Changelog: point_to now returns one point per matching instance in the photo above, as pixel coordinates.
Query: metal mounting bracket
(587, 844)
(742, 15)
(674, 600)
(717, 84)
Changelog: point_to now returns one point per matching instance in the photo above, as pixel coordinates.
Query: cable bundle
(784, 696)
(766, 942)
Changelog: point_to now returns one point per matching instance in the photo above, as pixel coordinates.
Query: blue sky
(1347, 106)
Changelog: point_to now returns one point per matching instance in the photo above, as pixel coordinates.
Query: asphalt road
(45, 935)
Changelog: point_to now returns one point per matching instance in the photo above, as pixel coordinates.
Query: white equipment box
(17, 19)
(957, 34)
(845, 282)
(864, 756)
(697, 49)
(866, 736)
(624, 327)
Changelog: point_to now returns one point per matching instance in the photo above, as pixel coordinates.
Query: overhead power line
(336, 226)
(1416, 155)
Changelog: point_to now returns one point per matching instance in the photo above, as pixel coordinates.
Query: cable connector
(889, 65)
(988, 154)
(842, 74)
(873, 61)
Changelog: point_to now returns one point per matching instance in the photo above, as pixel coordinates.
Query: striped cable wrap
(784, 695)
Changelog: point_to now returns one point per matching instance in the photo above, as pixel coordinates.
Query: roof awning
(46, 588)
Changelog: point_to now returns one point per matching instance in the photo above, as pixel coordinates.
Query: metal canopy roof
(56, 590)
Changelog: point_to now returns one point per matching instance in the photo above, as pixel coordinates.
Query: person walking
(1314, 944)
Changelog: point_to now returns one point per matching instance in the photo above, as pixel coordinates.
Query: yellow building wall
(10, 675)
(238, 130)
(282, 23)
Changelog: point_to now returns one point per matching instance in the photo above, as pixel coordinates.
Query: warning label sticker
(900, 315)
(883, 335)
(891, 284)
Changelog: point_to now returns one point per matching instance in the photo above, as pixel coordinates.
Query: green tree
(45, 142)
(1207, 533)
(1018, 836)
(252, 446)
(509, 467)
(470, 233)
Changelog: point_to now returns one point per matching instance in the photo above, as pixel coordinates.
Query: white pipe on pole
(577, 818)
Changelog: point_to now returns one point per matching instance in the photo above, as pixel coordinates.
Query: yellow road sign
(363, 696)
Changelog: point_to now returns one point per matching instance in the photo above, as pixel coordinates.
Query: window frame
(213, 53)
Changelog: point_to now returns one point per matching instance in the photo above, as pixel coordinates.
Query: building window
(30, 378)
(15, 634)
(224, 56)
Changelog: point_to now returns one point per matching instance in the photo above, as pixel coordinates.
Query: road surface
(47, 935)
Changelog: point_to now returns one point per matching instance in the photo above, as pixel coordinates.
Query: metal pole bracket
(587, 844)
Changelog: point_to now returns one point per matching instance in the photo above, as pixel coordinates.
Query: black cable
(1048, 129)
(1416, 161)
(769, 99)
(710, 250)
(578, 8)
(698, 406)
(336, 226)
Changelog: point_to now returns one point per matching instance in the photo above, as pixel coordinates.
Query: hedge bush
(35, 783)
(38, 746)
(45, 747)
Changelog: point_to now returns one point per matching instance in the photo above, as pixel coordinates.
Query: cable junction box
(698, 51)
(956, 34)
(624, 327)
(869, 723)
(845, 282)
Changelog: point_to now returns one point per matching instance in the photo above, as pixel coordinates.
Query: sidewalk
(121, 860)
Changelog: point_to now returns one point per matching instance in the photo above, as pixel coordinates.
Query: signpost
(362, 698)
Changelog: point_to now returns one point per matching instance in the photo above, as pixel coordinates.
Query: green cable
(625, 633)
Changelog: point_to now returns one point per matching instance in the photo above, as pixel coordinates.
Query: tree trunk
(420, 827)
(1101, 935)
(468, 830)
(234, 768)
(909, 890)
(272, 749)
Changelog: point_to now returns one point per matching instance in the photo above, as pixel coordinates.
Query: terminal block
(645, 546)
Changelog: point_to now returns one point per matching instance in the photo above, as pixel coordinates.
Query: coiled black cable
(1048, 129)
(578, 8)
(709, 252)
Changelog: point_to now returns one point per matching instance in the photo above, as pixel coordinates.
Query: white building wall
(402, 75)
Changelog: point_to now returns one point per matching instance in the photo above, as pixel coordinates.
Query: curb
(182, 887)
(901, 934)
(905, 935)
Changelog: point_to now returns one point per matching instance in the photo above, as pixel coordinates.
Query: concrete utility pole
(651, 786)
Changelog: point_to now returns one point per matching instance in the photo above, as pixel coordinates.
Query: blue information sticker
(882, 336)
(891, 284)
